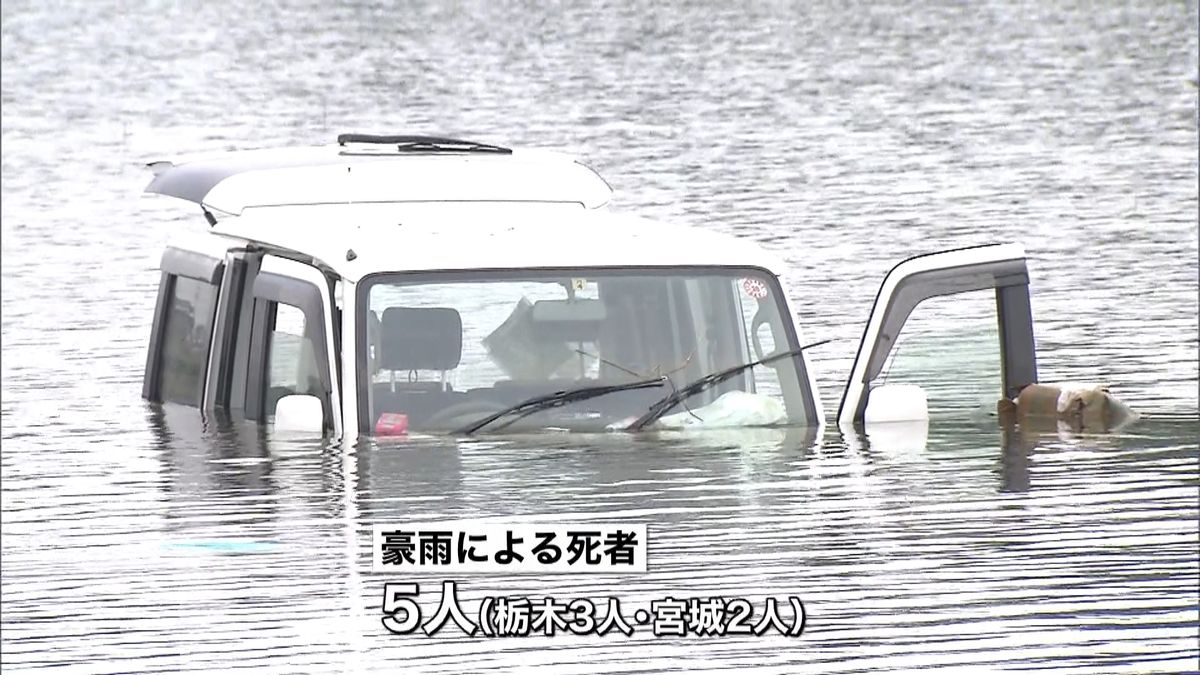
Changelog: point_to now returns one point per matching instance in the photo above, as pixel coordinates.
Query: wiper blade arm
(437, 145)
(556, 399)
(660, 407)
(422, 143)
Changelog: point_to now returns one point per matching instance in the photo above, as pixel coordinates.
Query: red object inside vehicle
(391, 424)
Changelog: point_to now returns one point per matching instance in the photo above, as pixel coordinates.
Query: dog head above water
(1078, 407)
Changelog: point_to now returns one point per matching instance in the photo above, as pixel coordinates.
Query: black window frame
(227, 375)
(1010, 281)
(812, 416)
(269, 290)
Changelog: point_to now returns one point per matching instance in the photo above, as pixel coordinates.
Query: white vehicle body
(316, 229)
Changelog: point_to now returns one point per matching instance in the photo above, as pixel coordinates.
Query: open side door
(998, 266)
(292, 344)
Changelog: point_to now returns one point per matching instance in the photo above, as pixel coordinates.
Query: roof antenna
(212, 220)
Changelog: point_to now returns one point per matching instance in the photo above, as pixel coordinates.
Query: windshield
(441, 351)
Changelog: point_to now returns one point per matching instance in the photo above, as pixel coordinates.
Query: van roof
(356, 240)
(404, 203)
(379, 169)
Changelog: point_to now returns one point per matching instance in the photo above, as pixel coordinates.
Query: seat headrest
(418, 338)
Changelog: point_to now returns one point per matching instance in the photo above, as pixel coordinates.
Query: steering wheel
(470, 410)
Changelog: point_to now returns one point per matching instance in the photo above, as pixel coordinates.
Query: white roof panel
(427, 237)
(232, 182)
(403, 203)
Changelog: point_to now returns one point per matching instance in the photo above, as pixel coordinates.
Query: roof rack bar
(422, 143)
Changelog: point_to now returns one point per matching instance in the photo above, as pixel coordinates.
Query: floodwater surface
(843, 137)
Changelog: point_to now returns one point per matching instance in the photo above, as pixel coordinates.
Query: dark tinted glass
(185, 340)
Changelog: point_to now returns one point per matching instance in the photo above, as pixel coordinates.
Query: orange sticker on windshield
(755, 288)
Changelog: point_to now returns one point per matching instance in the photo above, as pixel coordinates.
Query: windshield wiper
(556, 399)
(663, 405)
(409, 143)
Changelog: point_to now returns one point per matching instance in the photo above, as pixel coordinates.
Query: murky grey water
(845, 137)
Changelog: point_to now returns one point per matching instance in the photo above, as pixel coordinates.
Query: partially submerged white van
(395, 284)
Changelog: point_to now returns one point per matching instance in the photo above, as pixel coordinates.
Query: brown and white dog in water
(1066, 407)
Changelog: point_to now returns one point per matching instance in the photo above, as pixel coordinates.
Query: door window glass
(186, 338)
(950, 347)
(292, 362)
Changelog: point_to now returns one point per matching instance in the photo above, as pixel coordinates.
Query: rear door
(956, 323)
(181, 333)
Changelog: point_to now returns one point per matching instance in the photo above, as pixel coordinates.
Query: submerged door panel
(948, 273)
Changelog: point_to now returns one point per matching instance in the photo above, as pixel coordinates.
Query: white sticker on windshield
(755, 288)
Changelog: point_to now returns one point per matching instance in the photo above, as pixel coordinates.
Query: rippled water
(844, 137)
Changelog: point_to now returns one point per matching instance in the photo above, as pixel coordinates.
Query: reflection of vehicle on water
(389, 284)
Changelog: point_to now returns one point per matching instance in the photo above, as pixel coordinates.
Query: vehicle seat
(414, 339)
